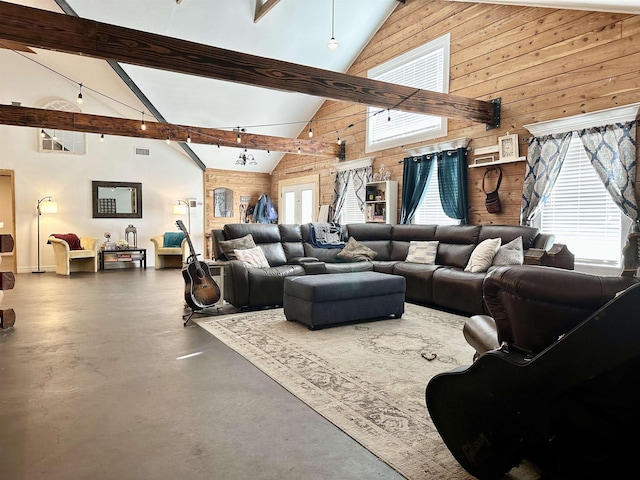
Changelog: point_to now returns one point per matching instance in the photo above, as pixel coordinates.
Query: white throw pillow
(422, 252)
(252, 257)
(511, 253)
(482, 255)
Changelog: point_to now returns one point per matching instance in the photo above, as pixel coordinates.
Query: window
(580, 211)
(430, 211)
(351, 209)
(425, 67)
(62, 141)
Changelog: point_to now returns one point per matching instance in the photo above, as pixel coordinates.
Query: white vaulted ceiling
(296, 31)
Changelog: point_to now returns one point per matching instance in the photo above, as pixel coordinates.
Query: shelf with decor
(381, 202)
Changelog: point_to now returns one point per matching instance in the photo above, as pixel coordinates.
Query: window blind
(426, 68)
(350, 210)
(425, 73)
(430, 211)
(581, 213)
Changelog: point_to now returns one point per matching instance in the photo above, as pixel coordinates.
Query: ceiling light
(80, 95)
(333, 43)
(188, 137)
(310, 131)
(102, 138)
(42, 134)
(143, 126)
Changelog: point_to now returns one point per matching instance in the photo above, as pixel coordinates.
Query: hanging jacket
(265, 212)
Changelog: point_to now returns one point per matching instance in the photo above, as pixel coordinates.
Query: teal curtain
(452, 182)
(415, 178)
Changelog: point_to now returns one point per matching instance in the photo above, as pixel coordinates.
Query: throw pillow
(482, 255)
(172, 239)
(511, 253)
(242, 243)
(355, 251)
(71, 238)
(252, 257)
(422, 252)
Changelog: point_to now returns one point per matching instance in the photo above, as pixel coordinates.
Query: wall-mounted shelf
(498, 162)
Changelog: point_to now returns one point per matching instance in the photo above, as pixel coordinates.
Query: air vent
(142, 151)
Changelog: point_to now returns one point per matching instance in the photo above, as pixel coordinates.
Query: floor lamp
(45, 205)
(183, 208)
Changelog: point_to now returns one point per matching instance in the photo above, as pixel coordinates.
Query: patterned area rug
(368, 379)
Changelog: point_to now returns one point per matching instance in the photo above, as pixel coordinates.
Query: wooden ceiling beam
(59, 32)
(263, 8)
(123, 127)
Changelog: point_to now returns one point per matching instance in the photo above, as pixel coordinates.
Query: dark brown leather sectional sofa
(444, 285)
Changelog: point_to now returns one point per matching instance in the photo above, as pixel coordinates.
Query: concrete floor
(92, 387)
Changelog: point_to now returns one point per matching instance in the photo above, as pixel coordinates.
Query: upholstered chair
(167, 254)
(68, 259)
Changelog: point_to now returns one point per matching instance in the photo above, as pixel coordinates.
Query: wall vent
(142, 151)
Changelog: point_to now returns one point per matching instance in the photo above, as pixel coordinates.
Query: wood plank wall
(242, 183)
(543, 63)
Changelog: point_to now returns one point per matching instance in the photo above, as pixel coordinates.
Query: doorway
(8, 262)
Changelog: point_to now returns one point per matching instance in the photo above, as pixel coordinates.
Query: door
(8, 218)
(299, 203)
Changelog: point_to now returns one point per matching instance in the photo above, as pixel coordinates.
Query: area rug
(368, 379)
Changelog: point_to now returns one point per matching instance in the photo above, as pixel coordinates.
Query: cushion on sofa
(172, 239)
(482, 256)
(510, 253)
(355, 251)
(252, 257)
(423, 252)
(71, 238)
(242, 243)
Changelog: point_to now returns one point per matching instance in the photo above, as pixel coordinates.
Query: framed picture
(508, 147)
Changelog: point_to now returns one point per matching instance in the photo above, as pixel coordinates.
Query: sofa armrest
(89, 243)
(236, 283)
(533, 305)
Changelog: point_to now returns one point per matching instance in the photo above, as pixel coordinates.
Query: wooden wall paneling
(249, 184)
(543, 63)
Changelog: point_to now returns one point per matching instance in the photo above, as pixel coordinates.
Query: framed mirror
(223, 202)
(117, 199)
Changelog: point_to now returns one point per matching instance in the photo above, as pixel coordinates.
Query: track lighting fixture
(80, 96)
(333, 43)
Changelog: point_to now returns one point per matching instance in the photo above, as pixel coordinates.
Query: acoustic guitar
(491, 413)
(201, 291)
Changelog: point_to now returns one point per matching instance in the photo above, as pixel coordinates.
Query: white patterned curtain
(544, 161)
(612, 152)
(359, 177)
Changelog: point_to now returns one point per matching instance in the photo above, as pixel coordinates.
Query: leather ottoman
(336, 298)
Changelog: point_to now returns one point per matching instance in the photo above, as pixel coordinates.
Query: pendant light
(333, 43)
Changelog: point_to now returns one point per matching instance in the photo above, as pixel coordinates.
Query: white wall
(166, 175)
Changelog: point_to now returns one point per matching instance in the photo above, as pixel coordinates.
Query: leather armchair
(531, 306)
